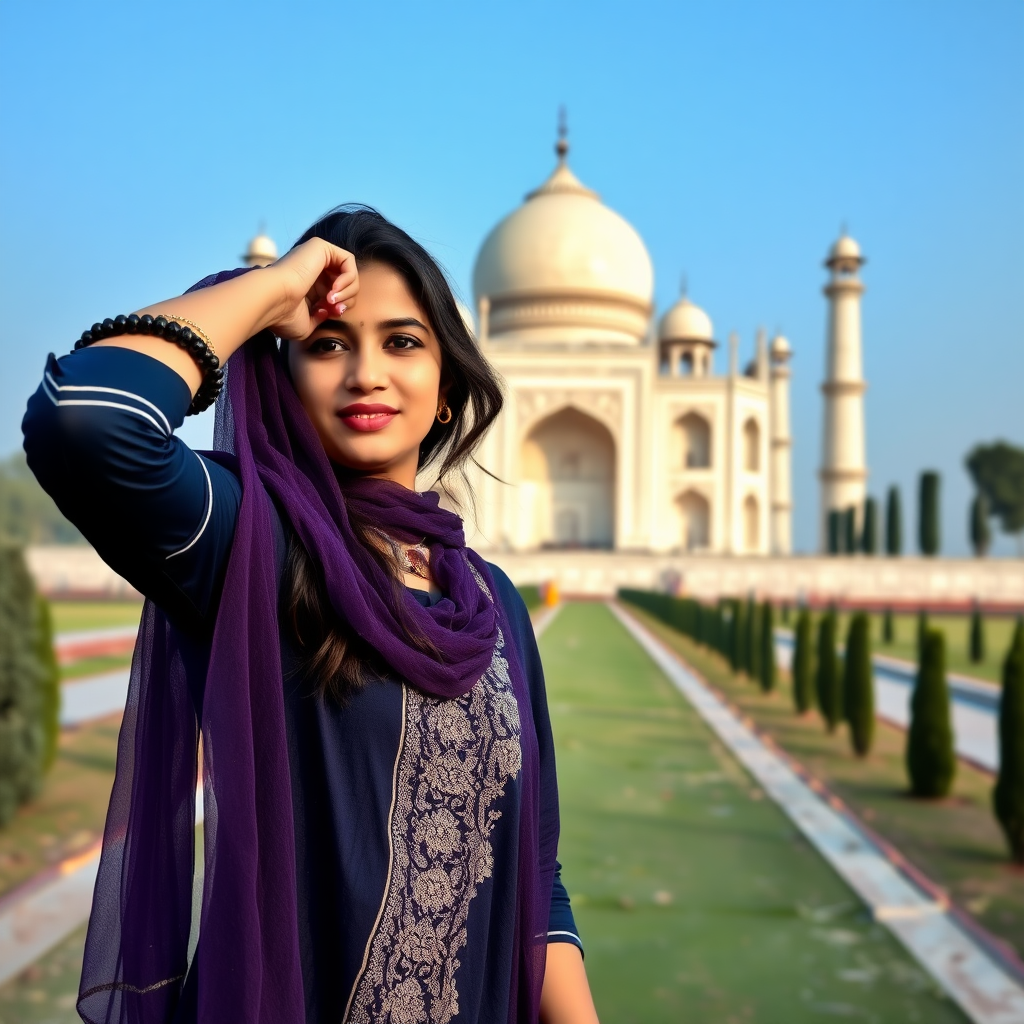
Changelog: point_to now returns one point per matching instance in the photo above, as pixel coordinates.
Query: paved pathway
(975, 703)
(978, 984)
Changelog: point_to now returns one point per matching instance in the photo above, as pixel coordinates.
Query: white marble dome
(845, 248)
(685, 322)
(261, 252)
(780, 348)
(564, 268)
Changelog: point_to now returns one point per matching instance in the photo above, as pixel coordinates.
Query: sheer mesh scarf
(246, 967)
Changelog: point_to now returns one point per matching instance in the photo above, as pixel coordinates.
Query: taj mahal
(617, 434)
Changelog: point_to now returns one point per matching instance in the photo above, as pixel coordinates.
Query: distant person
(381, 810)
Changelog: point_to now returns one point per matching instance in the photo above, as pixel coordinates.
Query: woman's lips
(367, 417)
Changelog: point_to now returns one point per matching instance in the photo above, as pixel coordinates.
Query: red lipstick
(367, 416)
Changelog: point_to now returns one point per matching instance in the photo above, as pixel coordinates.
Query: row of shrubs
(842, 687)
(29, 686)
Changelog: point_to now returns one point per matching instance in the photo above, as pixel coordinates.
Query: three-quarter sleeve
(561, 924)
(99, 436)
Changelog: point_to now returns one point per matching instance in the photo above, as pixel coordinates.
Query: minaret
(843, 471)
(782, 443)
(261, 252)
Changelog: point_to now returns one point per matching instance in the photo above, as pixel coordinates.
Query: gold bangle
(194, 327)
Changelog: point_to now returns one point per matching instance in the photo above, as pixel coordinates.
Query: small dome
(563, 267)
(685, 322)
(845, 250)
(780, 347)
(261, 252)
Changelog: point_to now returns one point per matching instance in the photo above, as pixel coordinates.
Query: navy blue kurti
(399, 852)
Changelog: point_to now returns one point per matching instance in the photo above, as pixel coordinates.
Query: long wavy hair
(339, 662)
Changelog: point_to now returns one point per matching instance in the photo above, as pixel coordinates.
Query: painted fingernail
(342, 308)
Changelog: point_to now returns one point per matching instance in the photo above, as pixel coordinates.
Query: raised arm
(99, 431)
(312, 282)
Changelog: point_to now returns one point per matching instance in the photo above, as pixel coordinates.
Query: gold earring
(444, 414)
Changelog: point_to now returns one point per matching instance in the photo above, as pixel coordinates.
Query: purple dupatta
(247, 960)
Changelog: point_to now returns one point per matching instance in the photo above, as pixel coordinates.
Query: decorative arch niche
(695, 521)
(751, 524)
(695, 437)
(567, 486)
(751, 446)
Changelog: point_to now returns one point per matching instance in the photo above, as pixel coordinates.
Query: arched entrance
(568, 483)
(751, 524)
(695, 516)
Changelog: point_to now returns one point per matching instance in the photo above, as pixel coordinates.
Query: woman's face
(370, 381)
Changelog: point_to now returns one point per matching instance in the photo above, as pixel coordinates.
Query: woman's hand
(317, 281)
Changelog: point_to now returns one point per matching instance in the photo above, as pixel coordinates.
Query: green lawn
(696, 898)
(68, 815)
(998, 631)
(955, 841)
(93, 666)
(72, 616)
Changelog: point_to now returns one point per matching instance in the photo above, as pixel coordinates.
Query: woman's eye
(327, 345)
(404, 341)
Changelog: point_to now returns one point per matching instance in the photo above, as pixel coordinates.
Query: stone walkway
(964, 969)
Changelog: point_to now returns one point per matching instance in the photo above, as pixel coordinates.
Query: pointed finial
(683, 286)
(843, 232)
(562, 146)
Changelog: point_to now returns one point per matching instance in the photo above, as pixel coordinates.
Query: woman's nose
(366, 370)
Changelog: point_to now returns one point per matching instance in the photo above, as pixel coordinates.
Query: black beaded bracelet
(171, 330)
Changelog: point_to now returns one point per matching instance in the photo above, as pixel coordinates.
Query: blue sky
(143, 144)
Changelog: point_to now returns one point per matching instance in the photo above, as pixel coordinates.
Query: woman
(381, 813)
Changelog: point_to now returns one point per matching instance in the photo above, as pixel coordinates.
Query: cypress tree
(869, 537)
(928, 514)
(768, 670)
(785, 613)
(893, 524)
(888, 627)
(803, 664)
(49, 682)
(21, 735)
(977, 635)
(850, 544)
(834, 534)
(922, 631)
(827, 679)
(981, 535)
(858, 685)
(1008, 795)
(753, 640)
(738, 631)
(931, 758)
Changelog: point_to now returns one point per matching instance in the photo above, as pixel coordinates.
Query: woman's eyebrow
(401, 321)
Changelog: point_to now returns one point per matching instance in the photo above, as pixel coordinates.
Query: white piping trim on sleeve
(110, 391)
(570, 934)
(109, 405)
(209, 511)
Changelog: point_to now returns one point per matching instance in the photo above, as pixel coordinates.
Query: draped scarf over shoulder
(247, 968)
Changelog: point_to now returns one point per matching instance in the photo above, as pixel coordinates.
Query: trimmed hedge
(858, 685)
(977, 636)
(893, 524)
(928, 515)
(767, 661)
(22, 741)
(828, 682)
(931, 758)
(803, 664)
(1008, 795)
